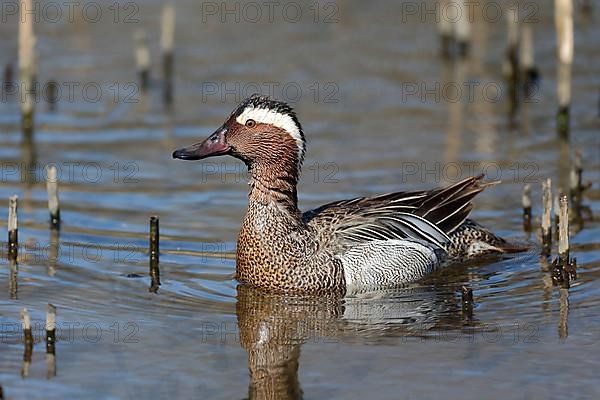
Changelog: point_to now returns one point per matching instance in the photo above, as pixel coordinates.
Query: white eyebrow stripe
(283, 121)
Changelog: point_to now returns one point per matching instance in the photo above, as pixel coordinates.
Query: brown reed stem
(526, 202)
(446, 34)
(555, 206)
(52, 95)
(512, 59)
(154, 254)
(27, 67)
(13, 279)
(8, 78)
(563, 231)
(28, 342)
(467, 302)
(167, 40)
(50, 328)
(575, 179)
(463, 31)
(563, 318)
(13, 229)
(546, 230)
(564, 268)
(527, 60)
(563, 18)
(51, 341)
(142, 58)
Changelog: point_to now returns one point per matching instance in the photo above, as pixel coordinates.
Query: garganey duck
(367, 242)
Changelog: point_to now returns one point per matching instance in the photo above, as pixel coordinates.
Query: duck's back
(398, 238)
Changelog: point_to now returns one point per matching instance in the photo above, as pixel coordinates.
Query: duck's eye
(250, 123)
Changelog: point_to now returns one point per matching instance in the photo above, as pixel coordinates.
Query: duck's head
(261, 131)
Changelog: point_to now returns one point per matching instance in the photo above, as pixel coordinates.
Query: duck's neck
(270, 186)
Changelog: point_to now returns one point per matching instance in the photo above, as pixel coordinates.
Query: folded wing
(427, 216)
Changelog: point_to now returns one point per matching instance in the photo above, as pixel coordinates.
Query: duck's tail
(449, 207)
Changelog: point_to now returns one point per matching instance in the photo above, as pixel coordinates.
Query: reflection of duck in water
(381, 241)
(273, 327)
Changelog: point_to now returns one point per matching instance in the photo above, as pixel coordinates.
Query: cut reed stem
(586, 6)
(547, 217)
(52, 95)
(527, 60)
(142, 58)
(53, 251)
(28, 342)
(27, 65)
(50, 328)
(563, 230)
(463, 30)
(575, 178)
(53, 202)
(555, 205)
(563, 318)
(526, 201)
(445, 30)
(8, 78)
(154, 254)
(564, 268)
(13, 279)
(467, 294)
(467, 302)
(26, 325)
(13, 229)
(563, 18)
(512, 59)
(167, 40)
(51, 341)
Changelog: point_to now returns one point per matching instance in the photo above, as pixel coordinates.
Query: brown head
(263, 133)
(266, 135)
